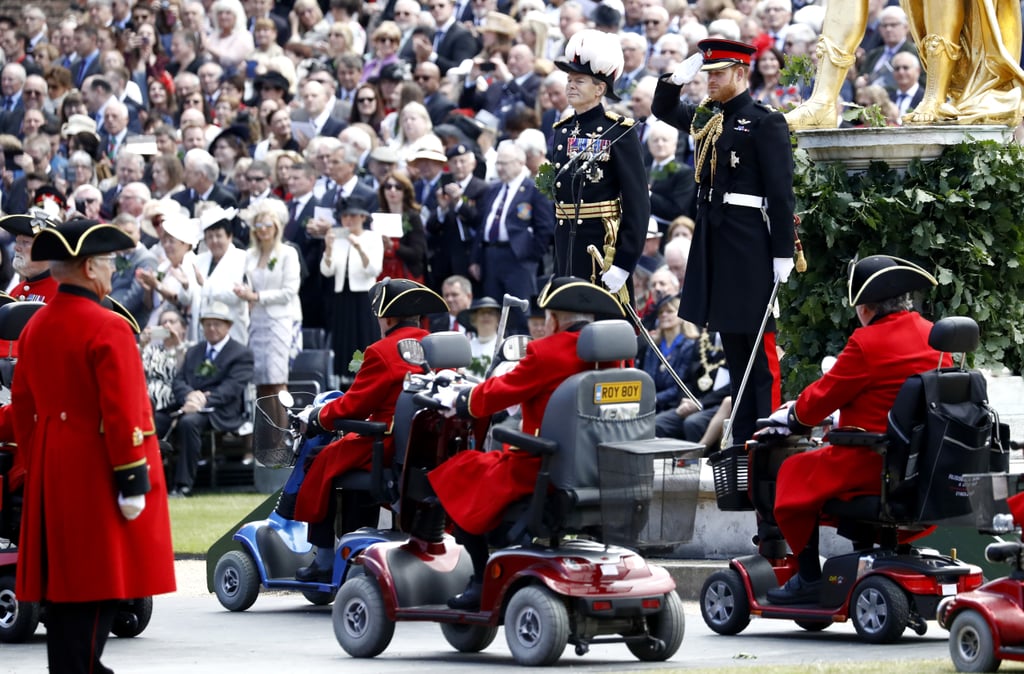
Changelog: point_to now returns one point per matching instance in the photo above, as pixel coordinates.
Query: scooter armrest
(361, 427)
(856, 438)
(529, 443)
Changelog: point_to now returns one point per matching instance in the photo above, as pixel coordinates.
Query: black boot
(469, 600)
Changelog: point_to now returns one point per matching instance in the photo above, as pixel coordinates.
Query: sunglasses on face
(392, 186)
(366, 100)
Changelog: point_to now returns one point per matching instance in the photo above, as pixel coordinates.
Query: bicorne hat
(595, 53)
(881, 277)
(79, 237)
(28, 224)
(572, 294)
(399, 298)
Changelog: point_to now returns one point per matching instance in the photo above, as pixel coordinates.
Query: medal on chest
(592, 149)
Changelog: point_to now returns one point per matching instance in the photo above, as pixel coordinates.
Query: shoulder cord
(705, 138)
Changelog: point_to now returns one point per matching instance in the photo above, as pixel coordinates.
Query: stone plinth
(896, 146)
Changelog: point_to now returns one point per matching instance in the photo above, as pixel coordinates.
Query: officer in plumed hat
(599, 185)
(398, 305)
(95, 527)
(32, 280)
(743, 241)
(475, 488)
(890, 346)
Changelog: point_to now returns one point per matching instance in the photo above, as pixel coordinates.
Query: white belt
(748, 200)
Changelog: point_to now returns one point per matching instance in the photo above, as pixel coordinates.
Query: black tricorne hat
(400, 298)
(28, 224)
(122, 311)
(79, 238)
(881, 277)
(595, 53)
(572, 294)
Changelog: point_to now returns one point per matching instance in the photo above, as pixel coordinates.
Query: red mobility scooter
(884, 585)
(546, 589)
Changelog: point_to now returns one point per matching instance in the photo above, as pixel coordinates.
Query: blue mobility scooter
(940, 427)
(269, 551)
(19, 619)
(560, 580)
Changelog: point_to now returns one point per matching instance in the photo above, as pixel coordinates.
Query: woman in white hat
(176, 273)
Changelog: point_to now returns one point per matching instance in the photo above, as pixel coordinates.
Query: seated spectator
(209, 391)
(458, 294)
(677, 341)
(163, 353)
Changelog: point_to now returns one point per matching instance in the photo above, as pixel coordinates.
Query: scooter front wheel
(880, 610)
(970, 644)
(666, 627)
(360, 624)
(724, 604)
(18, 619)
(536, 626)
(236, 581)
(468, 638)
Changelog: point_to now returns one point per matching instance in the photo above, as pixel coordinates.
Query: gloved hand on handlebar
(779, 423)
(131, 506)
(313, 427)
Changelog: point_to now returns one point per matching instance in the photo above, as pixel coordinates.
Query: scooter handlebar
(423, 400)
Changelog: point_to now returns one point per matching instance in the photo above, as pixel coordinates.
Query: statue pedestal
(894, 145)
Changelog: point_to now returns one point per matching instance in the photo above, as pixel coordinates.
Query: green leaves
(959, 216)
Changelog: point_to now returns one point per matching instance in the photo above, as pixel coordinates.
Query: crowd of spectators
(206, 129)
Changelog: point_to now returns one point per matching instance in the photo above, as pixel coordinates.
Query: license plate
(947, 589)
(618, 392)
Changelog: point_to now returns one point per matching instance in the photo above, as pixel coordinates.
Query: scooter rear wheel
(970, 644)
(724, 604)
(236, 581)
(667, 627)
(468, 638)
(317, 598)
(536, 626)
(361, 626)
(880, 610)
(132, 617)
(18, 619)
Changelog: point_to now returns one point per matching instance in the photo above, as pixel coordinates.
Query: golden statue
(969, 49)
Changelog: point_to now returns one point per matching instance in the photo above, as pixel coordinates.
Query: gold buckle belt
(597, 209)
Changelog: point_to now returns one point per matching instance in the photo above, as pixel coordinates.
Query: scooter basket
(730, 470)
(271, 442)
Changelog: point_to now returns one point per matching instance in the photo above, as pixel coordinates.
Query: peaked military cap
(399, 297)
(720, 53)
(569, 293)
(881, 277)
(79, 238)
(28, 224)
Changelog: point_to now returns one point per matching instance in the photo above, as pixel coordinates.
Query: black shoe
(469, 600)
(797, 590)
(181, 491)
(314, 574)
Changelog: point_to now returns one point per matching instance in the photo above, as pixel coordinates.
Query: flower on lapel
(703, 115)
(272, 263)
(121, 263)
(206, 368)
(665, 171)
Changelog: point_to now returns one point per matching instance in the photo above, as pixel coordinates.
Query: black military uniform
(744, 219)
(599, 176)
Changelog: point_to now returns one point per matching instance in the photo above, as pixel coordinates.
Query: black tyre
(668, 627)
(132, 617)
(360, 624)
(236, 581)
(880, 610)
(970, 644)
(536, 626)
(18, 620)
(813, 625)
(468, 638)
(319, 598)
(724, 604)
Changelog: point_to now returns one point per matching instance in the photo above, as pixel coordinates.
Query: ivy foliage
(959, 216)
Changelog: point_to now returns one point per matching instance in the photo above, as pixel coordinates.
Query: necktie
(438, 36)
(641, 130)
(211, 353)
(81, 72)
(292, 208)
(900, 97)
(886, 57)
(7, 104)
(495, 227)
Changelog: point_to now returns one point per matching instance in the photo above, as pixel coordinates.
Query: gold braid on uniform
(704, 139)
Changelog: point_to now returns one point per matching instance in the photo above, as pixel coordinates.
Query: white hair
(203, 162)
(726, 28)
(532, 142)
(693, 32)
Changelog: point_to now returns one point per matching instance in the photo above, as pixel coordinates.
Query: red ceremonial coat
(372, 396)
(475, 488)
(81, 412)
(862, 385)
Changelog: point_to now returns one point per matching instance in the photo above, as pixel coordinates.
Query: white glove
(446, 396)
(827, 363)
(614, 278)
(304, 414)
(131, 506)
(687, 70)
(780, 417)
(1002, 523)
(782, 267)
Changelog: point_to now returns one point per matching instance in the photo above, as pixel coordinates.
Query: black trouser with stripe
(76, 633)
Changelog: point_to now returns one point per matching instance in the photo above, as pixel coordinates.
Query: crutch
(507, 302)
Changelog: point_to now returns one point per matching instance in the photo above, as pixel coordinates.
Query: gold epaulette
(616, 117)
(561, 121)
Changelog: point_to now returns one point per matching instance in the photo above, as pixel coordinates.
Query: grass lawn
(197, 521)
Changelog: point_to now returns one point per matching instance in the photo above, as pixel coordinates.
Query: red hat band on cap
(724, 53)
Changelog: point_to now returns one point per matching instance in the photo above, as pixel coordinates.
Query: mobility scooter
(885, 584)
(547, 589)
(986, 625)
(18, 619)
(270, 550)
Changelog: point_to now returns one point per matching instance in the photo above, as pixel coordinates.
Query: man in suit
(516, 231)
(339, 108)
(458, 293)
(876, 68)
(129, 168)
(315, 101)
(12, 81)
(514, 83)
(452, 42)
(301, 180)
(452, 226)
(428, 76)
(342, 167)
(906, 72)
(634, 50)
(260, 9)
(201, 172)
(209, 387)
(554, 86)
(673, 189)
(88, 52)
(428, 161)
(406, 15)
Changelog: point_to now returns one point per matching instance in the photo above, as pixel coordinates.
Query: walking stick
(623, 297)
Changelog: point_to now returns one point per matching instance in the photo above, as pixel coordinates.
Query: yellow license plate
(619, 392)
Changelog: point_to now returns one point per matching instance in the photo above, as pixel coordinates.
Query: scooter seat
(858, 508)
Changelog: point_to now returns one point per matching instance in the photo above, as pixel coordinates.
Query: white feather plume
(599, 50)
